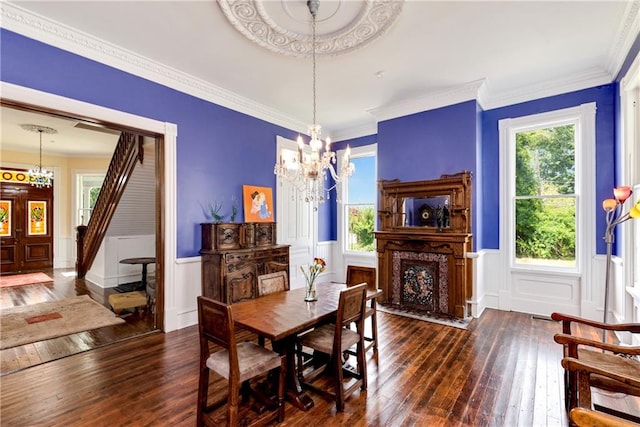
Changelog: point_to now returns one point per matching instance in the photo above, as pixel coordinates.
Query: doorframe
(166, 137)
(298, 255)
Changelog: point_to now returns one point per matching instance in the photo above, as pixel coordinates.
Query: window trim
(370, 150)
(584, 118)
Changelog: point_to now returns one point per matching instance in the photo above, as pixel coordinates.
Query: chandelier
(307, 170)
(38, 176)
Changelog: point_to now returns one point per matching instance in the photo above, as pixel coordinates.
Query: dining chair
(273, 282)
(356, 275)
(593, 364)
(269, 283)
(236, 362)
(273, 266)
(332, 340)
(583, 417)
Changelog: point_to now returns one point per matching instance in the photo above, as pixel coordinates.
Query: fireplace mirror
(439, 205)
(425, 212)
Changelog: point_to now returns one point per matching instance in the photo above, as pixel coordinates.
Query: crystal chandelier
(307, 172)
(38, 176)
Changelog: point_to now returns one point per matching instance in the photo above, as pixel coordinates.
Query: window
(359, 202)
(89, 185)
(549, 161)
(545, 197)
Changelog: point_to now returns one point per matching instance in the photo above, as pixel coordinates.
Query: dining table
(281, 316)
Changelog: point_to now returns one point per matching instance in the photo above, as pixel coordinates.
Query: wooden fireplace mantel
(413, 227)
(453, 245)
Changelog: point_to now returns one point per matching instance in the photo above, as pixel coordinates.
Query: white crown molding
(53, 33)
(627, 34)
(430, 101)
(355, 132)
(585, 80)
(252, 20)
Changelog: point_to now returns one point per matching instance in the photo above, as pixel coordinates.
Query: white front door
(296, 219)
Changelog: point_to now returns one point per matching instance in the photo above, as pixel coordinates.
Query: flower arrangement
(315, 268)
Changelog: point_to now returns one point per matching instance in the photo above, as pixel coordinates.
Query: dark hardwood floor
(503, 371)
(65, 285)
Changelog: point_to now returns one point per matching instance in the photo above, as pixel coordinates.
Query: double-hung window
(358, 202)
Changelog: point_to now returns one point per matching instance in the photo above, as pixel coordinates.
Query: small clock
(425, 215)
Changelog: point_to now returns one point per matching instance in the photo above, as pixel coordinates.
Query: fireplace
(420, 281)
(422, 262)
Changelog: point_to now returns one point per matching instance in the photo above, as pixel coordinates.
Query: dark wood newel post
(81, 269)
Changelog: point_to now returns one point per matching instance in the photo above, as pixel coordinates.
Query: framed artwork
(5, 218)
(258, 203)
(37, 211)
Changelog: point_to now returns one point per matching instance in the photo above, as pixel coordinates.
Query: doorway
(26, 236)
(62, 209)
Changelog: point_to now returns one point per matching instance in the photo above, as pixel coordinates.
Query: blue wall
(603, 96)
(218, 150)
(420, 146)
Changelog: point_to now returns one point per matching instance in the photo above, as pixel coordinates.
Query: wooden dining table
(281, 316)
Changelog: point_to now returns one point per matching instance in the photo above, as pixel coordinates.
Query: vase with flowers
(614, 216)
(311, 274)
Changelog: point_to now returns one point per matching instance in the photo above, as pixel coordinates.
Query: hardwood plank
(503, 371)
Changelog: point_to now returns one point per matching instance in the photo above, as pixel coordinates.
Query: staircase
(89, 237)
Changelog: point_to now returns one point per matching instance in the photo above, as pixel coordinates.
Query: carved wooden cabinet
(232, 259)
(422, 245)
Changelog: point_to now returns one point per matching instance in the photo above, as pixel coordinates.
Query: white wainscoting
(181, 296)
(64, 252)
(579, 295)
(489, 292)
(107, 272)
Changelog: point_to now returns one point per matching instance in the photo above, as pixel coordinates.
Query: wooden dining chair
(333, 340)
(356, 275)
(236, 362)
(593, 364)
(277, 281)
(273, 282)
(274, 266)
(582, 417)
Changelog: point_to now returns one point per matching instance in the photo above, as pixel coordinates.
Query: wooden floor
(503, 371)
(65, 285)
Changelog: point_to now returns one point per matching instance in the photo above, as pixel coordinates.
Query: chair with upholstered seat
(594, 364)
(277, 281)
(356, 275)
(273, 282)
(333, 340)
(236, 362)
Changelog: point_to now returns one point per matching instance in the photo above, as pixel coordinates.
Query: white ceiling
(434, 53)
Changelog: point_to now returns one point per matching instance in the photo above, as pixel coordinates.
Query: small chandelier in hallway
(38, 176)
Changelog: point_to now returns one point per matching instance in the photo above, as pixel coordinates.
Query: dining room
(462, 333)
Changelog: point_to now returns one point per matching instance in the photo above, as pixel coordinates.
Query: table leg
(294, 393)
(144, 275)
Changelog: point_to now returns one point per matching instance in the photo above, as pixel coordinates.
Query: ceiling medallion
(344, 26)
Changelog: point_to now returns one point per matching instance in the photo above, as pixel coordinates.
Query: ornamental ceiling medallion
(284, 26)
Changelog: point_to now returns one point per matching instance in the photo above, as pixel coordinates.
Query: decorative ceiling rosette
(283, 26)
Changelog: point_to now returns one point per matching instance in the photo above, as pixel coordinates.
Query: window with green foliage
(359, 206)
(545, 197)
(89, 185)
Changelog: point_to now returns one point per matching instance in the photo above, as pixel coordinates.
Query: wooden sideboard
(422, 245)
(232, 259)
